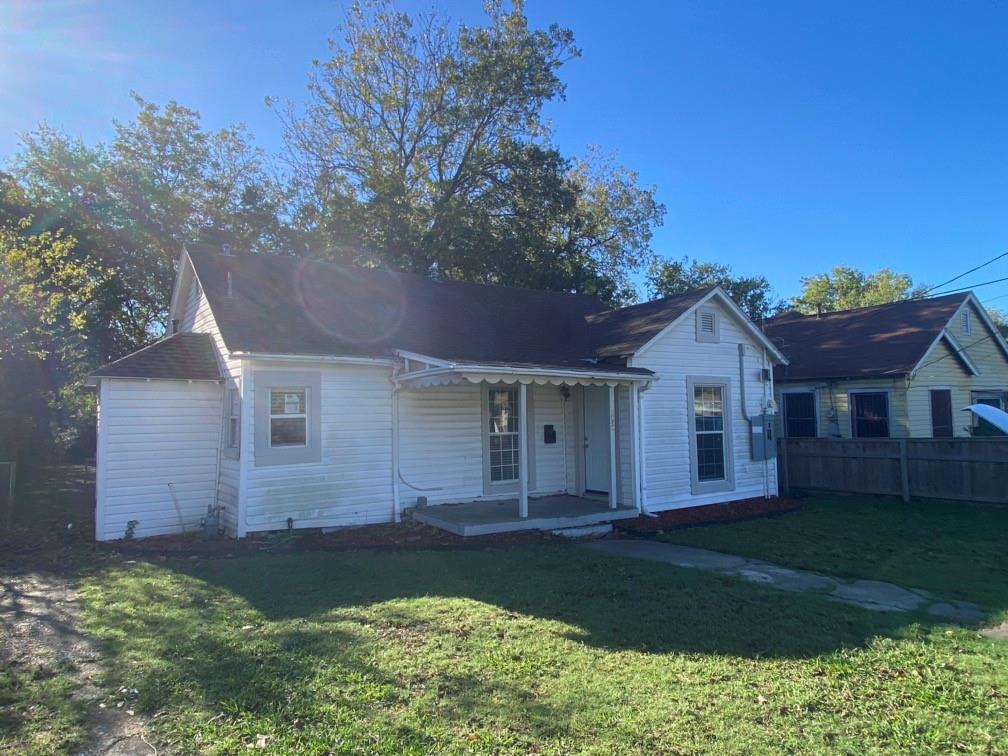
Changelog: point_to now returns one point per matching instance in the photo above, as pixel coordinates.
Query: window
(800, 417)
(708, 419)
(870, 414)
(503, 417)
(979, 426)
(233, 419)
(941, 413)
(707, 325)
(288, 417)
(966, 320)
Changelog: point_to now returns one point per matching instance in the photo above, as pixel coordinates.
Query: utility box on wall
(762, 438)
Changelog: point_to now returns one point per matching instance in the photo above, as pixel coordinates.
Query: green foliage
(754, 294)
(845, 288)
(423, 147)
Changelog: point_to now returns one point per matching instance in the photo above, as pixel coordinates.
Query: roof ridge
(910, 300)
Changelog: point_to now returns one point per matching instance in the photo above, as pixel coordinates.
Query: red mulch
(388, 535)
(743, 509)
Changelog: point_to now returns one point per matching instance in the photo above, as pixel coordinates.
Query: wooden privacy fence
(966, 469)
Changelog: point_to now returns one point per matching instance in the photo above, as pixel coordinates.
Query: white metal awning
(466, 373)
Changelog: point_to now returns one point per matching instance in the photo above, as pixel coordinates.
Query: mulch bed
(743, 509)
(388, 535)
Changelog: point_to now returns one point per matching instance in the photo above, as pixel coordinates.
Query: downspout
(396, 505)
(766, 458)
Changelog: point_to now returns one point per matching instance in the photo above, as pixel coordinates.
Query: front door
(596, 438)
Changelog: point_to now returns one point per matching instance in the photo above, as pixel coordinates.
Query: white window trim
(850, 410)
(698, 486)
(287, 416)
(815, 408)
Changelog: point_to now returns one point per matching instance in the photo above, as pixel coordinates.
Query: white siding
(548, 408)
(353, 482)
(197, 317)
(667, 412)
(152, 434)
(441, 444)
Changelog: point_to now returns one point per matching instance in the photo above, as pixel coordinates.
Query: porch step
(584, 531)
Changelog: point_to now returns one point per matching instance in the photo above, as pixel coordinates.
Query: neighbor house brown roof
(869, 342)
(290, 305)
(184, 356)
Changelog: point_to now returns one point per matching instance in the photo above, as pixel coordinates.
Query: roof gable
(868, 342)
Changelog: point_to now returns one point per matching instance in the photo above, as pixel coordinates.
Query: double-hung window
(233, 418)
(288, 416)
(800, 414)
(708, 418)
(503, 432)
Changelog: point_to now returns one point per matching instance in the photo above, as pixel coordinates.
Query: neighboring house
(300, 394)
(906, 369)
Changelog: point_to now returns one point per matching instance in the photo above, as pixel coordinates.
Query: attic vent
(707, 325)
(967, 322)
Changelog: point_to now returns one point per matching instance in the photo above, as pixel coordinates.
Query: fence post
(904, 470)
(783, 482)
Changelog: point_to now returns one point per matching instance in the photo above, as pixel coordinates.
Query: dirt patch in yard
(409, 535)
(743, 509)
(41, 639)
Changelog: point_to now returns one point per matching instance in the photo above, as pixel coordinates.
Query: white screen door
(596, 432)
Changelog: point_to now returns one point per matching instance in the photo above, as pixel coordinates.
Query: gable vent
(707, 325)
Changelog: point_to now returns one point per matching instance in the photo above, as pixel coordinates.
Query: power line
(956, 352)
(925, 294)
(971, 270)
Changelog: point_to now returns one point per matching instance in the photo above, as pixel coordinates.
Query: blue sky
(784, 137)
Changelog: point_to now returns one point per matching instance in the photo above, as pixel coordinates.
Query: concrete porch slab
(545, 513)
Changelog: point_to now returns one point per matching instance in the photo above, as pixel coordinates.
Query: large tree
(161, 182)
(844, 288)
(753, 294)
(423, 147)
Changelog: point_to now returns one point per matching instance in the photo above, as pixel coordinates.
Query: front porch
(544, 513)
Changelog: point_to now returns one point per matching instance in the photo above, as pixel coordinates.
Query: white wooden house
(301, 394)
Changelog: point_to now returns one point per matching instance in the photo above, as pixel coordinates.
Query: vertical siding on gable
(155, 433)
(667, 412)
(353, 482)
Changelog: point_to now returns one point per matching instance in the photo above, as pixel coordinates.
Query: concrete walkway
(867, 594)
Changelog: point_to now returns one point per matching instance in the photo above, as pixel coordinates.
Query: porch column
(523, 454)
(613, 498)
(635, 447)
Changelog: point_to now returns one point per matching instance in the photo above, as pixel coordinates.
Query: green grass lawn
(956, 550)
(542, 648)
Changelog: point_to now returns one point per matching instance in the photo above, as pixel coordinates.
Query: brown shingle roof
(290, 305)
(882, 341)
(184, 356)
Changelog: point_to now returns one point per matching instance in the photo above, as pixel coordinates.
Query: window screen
(870, 415)
(288, 417)
(502, 411)
(708, 419)
(800, 414)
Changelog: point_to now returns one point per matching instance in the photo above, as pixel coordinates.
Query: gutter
(383, 361)
(554, 372)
